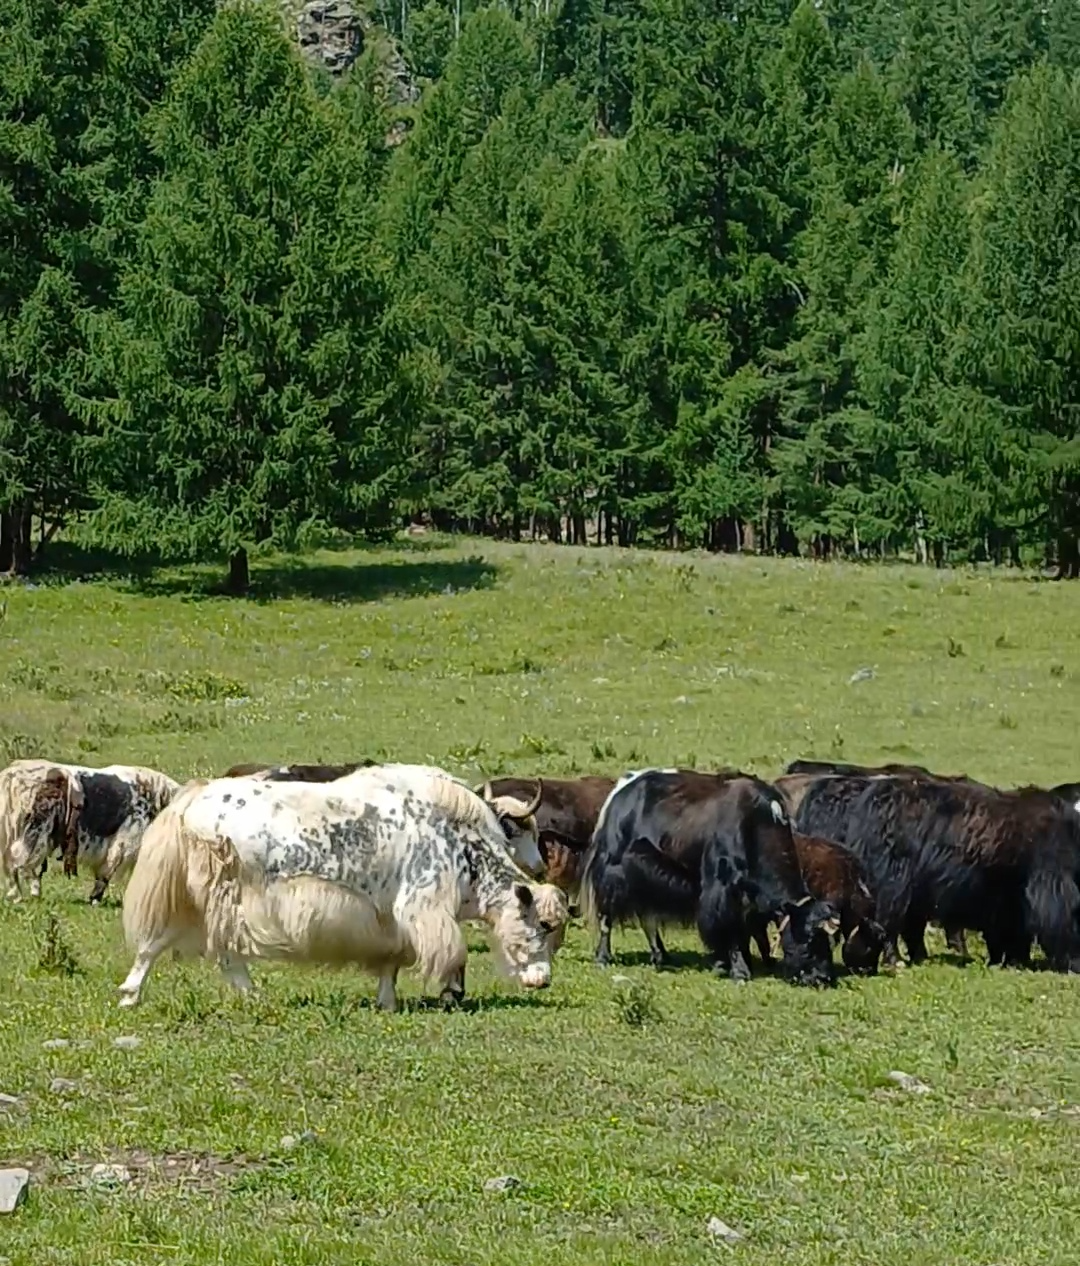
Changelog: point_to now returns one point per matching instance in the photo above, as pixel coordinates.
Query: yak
(678, 846)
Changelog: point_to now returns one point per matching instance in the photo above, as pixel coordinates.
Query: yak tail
(587, 884)
(184, 881)
(157, 898)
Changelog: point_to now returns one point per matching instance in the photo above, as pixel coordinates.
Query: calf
(680, 846)
(835, 875)
(801, 774)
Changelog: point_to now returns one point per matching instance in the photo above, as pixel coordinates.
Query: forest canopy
(785, 277)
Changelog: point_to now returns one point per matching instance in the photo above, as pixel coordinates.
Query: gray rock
(63, 1085)
(330, 33)
(863, 674)
(721, 1231)
(127, 1043)
(110, 1175)
(507, 1182)
(911, 1084)
(291, 1140)
(55, 1044)
(13, 1185)
(8, 1103)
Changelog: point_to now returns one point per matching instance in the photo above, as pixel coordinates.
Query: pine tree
(250, 354)
(1020, 345)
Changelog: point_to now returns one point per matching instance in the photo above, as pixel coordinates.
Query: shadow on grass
(281, 577)
(675, 960)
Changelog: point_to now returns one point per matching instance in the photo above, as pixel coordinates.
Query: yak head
(862, 948)
(805, 930)
(518, 825)
(527, 930)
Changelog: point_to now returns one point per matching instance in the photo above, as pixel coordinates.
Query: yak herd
(379, 865)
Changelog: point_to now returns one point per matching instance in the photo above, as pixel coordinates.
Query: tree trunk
(17, 540)
(7, 542)
(239, 573)
(1068, 556)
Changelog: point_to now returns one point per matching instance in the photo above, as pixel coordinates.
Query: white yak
(377, 868)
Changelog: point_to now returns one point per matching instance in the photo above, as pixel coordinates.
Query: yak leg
(235, 971)
(603, 946)
(14, 885)
(145, 959)
(955, 939)
(914, 934)
(35, 883)
(386, 998)
(657, 952)
(759, 930)
(721, 928)
(453, 991)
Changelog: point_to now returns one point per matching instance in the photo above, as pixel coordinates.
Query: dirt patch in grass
(196, 1171)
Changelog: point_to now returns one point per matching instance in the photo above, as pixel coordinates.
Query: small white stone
(8, 1102)
(909, 1083)
(63, 1085)
(721, 1231)
(55, 1044)
(13, 1185)
(507, 1182)
(127, 1043)
(110, 1175)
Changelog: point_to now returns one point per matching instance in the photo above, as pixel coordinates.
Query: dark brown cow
(677, 846)
(566, 818)
(834, 874)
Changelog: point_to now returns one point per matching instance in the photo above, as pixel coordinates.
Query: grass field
(632, 1106)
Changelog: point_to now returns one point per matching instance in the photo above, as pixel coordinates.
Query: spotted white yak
(82, 814)
(518, 821)
(377, 869)
(517, 817)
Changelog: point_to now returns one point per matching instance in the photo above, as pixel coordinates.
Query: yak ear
(524, 894)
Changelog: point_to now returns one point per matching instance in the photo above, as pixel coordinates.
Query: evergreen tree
(1019, 348)
(251, 354)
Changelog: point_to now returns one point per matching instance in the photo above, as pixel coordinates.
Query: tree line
(792, 277)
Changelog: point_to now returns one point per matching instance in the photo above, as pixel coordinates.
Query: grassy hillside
(631, 1106)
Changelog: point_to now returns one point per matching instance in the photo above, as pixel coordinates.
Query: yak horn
(484, 791)
(534, 803)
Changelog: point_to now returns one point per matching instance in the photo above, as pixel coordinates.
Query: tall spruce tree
(1020, 339)
(251, 355)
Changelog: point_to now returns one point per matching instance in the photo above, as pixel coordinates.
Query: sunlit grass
(632, 1106)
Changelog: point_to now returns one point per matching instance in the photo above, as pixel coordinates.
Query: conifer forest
(794, 278)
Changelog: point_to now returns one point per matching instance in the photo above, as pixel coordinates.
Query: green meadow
(302, 1127)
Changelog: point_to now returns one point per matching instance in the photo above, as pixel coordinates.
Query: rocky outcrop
(331, 34)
